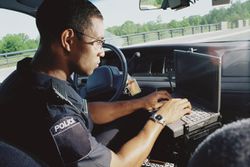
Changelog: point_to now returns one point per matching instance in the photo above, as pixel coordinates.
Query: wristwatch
(158, 118)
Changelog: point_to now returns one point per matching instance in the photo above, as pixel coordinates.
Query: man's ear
(67, 38)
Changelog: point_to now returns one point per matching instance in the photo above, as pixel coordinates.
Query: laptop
(197, 78)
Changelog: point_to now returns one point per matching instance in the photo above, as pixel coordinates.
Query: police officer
(42, 114)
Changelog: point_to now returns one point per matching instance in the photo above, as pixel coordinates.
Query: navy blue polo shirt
(45, 117)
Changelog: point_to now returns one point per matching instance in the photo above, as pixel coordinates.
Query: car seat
(226, 147)
(11, 156)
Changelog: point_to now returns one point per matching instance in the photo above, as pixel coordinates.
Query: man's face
(88, 50)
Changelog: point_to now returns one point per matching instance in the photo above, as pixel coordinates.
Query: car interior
(153, 67)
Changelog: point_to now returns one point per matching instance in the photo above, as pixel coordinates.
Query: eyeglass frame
(99, 42)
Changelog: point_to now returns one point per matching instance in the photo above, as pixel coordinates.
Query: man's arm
(104, 112)
(136, 150)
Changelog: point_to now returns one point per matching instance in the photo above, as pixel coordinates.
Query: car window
(18, 39)
(17, 24)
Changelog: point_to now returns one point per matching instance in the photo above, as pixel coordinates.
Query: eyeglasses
(97, 43)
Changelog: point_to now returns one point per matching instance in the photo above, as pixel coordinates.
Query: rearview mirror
(220, 2)
(178, 4)
(150, 4)
(164, 4)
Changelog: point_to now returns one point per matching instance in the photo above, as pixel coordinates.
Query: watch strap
(158, 118)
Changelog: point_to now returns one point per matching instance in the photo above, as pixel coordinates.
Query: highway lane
(225, 35)
(229, 35)
(5, 72)
(236, 37)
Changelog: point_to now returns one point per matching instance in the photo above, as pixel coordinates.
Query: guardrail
(10, 59)
(161, 34)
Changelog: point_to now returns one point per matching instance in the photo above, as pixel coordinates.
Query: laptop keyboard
(196, 116)
(197, 119)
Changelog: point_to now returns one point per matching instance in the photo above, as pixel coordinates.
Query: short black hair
(226, 147)
(54, 16)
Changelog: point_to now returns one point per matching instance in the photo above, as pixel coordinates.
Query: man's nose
(101, 52)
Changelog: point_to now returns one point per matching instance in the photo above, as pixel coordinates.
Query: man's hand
(155, 100)
(134, 152)
(174, 109)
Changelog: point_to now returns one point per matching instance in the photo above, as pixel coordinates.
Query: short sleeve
(76, 145)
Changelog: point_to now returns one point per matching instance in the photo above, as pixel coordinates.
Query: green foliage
(195, 20)
(237, 11)
(17, 42)
(173, 24)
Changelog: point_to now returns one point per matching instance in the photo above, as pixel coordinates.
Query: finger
(176, 99)
(130, 82)
(186, 111)
(150, 109)
(184, 103)
(164, 94)
(188, 105)
(159, 104)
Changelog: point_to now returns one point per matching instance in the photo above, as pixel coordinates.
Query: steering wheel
(124, 69)
(106, 81)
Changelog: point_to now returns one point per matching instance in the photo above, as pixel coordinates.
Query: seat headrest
(11, 156)
(226, 147)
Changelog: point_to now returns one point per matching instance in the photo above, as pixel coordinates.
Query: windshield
(127, 25)
(200, 22)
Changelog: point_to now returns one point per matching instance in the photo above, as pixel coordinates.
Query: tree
(129, 27)
(195, 20)
(184, 23)
(173, 24)
(17, 42)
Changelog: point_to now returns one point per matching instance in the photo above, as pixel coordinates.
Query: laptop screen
(198, 77)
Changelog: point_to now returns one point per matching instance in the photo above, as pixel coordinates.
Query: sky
(115, 12)
(14, 22)
(130, 10)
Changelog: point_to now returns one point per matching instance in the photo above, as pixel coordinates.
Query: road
(225, 35)
(230, 34)
(5, 72)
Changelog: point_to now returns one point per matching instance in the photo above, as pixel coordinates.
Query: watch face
(158, 117)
